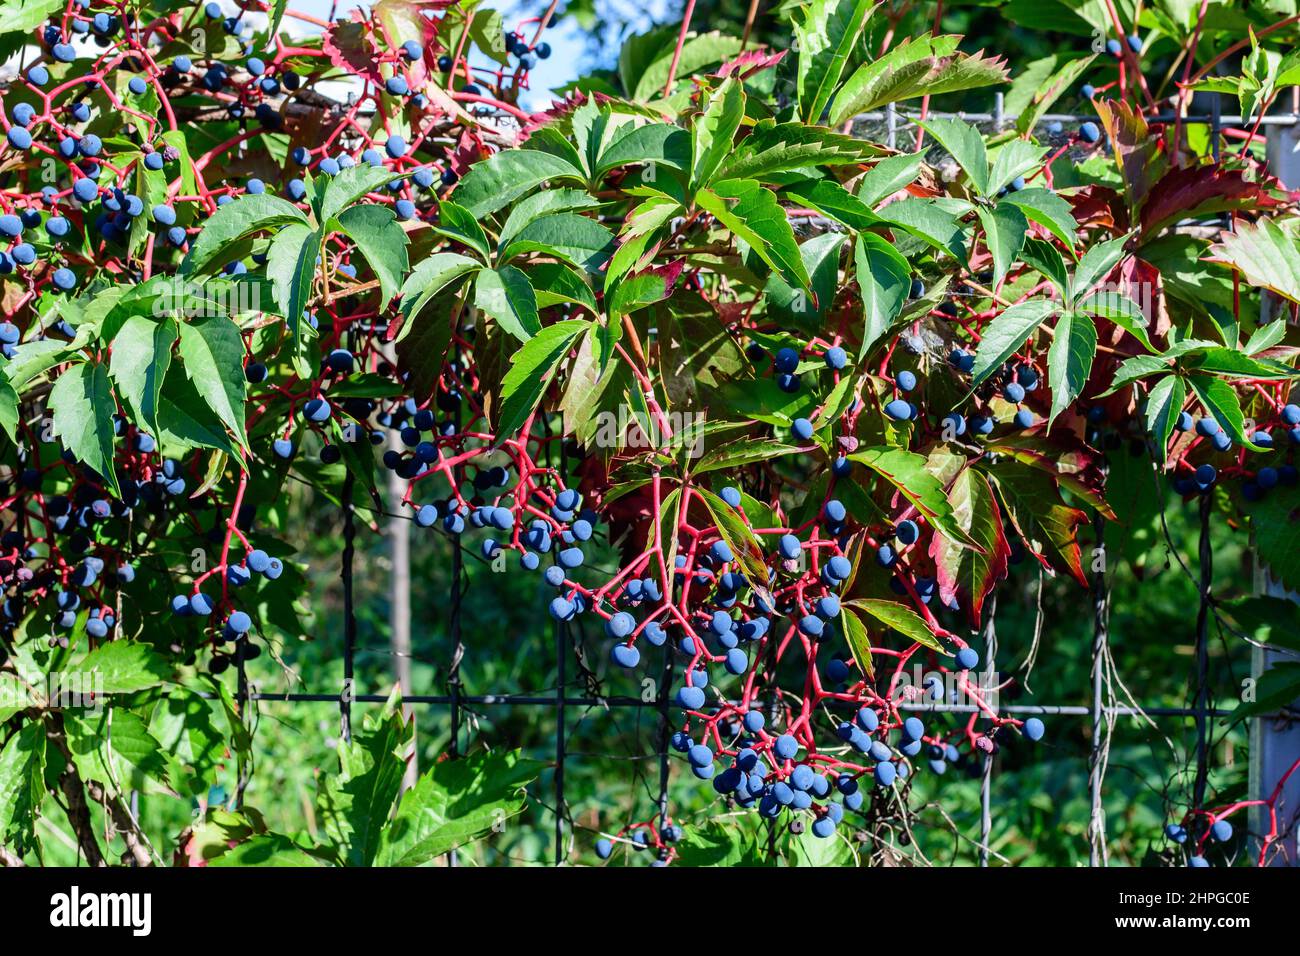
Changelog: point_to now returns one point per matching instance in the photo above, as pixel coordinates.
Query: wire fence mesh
(577, 689)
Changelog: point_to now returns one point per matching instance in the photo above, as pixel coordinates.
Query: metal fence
(1101, 711)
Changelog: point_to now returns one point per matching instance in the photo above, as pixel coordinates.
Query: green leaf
(833, 201)
(1044, 257)
(723, 844)
(926, 220)
(1223, 405)
(351, 185)
(22, 783)
(291, 267)
(826, 36)
(740, 539)
(906, 471)
(1265, 255)
(889, 176)
(212, 354)
(22, 16)
(1096, 264)
(1069, 360)
(556, 283)
(1049, 210)
(901, 618)
(1136, 368)
(1049, 91)
(782, 147)
(121, 667)
(114, 746)
(457, 222)
(639, 51)
(505, 176)
(83, 408)
(1265, 337)
(661, 144)
(33, 358)
(884, 280)
(508, 297)
(965, 144)
(743, 451)
(576, 239)
(232, 222)
(821, 257)
(754, 215)
(142, 353)
(530, 370)
(1164, 402)
(1014, 158)
(185, 420)
(382, 240)
(1004, 233)
(268, 849)
(540, 204)
(1275, 533)
(637, 292)
(1235, 364)
(429, 277)
(1007, 333)
(488, 35)
(422, 345)
(916, 67)
(713, 132)
(357, 804)
(697, 53)
(9, 410)
(859, 641)
(457, 801)
(1121, 310)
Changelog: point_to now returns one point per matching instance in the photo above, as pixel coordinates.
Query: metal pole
(1203, 657)
(349, 612)
(1275, 743)
(986, 776)
(560, 681)
(1097, 855)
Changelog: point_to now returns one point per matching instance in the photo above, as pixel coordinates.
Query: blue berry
(787, 360)
(625, 656)
(899, 410)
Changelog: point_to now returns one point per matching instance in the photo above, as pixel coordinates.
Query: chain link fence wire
(577, 689)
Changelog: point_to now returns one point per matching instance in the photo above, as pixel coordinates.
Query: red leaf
(749, 63)
(963, 571)
(1135, 148)
(1195, 191)
(348, 46)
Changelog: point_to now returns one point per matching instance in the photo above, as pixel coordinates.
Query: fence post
(1275, 744)
(986, 772)
(399, 598)
(1098, 753)
(349, 613)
